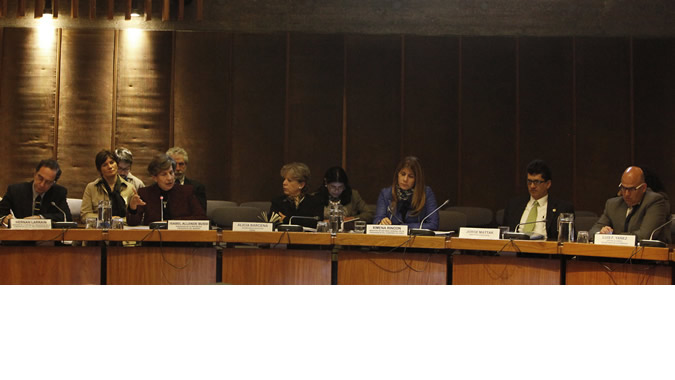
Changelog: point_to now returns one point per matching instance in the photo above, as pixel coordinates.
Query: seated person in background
(408, 200)
(33, 200)
(109, 187)
(164, 198)
(638, 211)
(124, 161)
(296, 201)
(180, 156)
(522, 209)
(336, 189)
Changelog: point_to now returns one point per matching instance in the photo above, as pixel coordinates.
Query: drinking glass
(582, 237)
(360, 226)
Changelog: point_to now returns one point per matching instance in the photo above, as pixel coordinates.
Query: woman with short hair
(109, 187)
(296, 200)
(165, 199)
(408, 200)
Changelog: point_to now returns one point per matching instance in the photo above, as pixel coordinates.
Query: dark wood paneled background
(476, 110)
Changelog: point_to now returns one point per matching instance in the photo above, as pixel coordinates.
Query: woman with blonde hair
(296, 201)
(408, 200)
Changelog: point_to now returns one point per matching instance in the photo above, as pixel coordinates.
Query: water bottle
(104, 220)
(565, 227)
(336, 218)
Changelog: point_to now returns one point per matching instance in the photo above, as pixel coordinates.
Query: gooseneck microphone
(65, 223)
(424, 231)
(161, 208)
(655, 243)
(161, 224)
(515, 235)
(290, 227)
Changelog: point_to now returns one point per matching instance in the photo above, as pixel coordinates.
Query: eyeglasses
(625, 189)
(535, 182)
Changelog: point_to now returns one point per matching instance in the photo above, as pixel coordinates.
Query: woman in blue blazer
(408, 200)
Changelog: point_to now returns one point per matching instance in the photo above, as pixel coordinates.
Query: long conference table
(118, 257)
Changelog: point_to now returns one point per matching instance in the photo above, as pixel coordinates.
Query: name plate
(383, 229)
(609, 239)
(188, 225)
(253, 226)
(30, 224)
(479, 233)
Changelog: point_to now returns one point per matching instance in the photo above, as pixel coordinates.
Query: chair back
(475, 216)
(451, 220)
(261, 205)
(212, 205)
(224, 216)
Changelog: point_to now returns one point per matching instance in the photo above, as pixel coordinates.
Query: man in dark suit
(181, 157)
(33, 200)
(532, 211)
(637, 211)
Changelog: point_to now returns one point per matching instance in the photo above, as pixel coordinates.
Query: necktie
(531, 217)
(36, 207)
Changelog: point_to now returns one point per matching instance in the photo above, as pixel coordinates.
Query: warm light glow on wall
(46, 32)
(133, 37)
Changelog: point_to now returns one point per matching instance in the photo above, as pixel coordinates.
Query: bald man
(637, 211)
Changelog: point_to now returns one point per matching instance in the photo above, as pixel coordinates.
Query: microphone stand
(294, 227)
(425, 231)
(515, 235)
(65, 223)
(655, 243)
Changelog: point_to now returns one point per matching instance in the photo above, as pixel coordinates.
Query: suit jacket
(516, 206)
(182, 204)
(310, 206)
(199, 191)
(19, 198)
(651, 213)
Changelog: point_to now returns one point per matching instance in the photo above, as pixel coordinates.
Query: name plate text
(30, 224)
(479, 233)
(383, 229)
(609, 239)
(188, 225)
(253, 226)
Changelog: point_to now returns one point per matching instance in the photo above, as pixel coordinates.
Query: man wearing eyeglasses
(33, 200)
(637, 211)
(539, 212)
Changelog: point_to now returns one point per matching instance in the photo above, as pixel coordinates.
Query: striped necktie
(36, 207)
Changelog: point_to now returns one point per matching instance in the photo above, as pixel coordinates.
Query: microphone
(161, 224)
(655, 243)
(294, 227)
(65, 223)
(515, 235)
(424, 231)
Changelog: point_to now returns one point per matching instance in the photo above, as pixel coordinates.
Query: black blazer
(310, 206)
(199, 191)
(516, 206)
(19, 198)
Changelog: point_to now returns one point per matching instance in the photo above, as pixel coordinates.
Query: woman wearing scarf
(408, 200)
(336, 189)
(296, 201)
(110, 186)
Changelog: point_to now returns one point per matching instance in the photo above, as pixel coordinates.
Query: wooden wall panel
(202, 114)
(85, 104)
(49, 265)
(504, 270)
(259, 82)
(430, 109)
(654, 76)
(396, 268)
(276, 267)
(603, 119)
(373, 92)
(144, 80)
(545, 109)
(488, 98)
(315, 89)
(28, 92)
